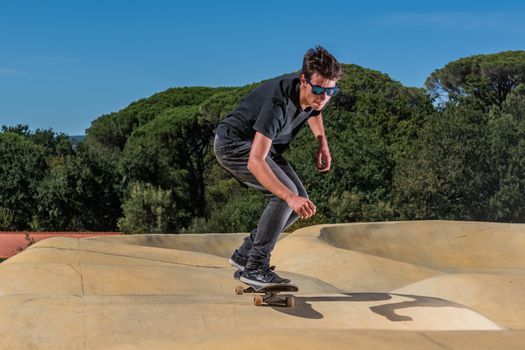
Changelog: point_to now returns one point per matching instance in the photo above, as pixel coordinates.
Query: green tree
(53, 143)
(113, 130)
(172, 152)
(468, 160)
(506, 127)
(447, 173)
(489, 78)
(81, 192)
(22, 166)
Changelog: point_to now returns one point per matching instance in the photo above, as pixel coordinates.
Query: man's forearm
(317, 127)
(266, 177)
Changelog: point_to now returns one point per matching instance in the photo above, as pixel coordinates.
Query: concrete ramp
(442, 245)
(404, 285)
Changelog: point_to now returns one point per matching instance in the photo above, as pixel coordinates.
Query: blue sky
(64, 63)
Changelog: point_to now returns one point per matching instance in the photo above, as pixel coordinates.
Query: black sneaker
(238, 261)
(262, 277)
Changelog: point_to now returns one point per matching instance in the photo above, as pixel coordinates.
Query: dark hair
(319, 60)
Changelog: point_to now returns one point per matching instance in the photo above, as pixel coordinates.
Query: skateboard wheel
(258, 300)
(239, 290)
(290, 302)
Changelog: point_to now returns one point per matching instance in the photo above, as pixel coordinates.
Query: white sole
(259, 284)
(254, 283)
(237, 266)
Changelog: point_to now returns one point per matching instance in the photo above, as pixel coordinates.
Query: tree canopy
(397, 155)
(489, 78)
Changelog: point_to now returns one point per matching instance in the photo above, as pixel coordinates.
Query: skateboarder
(250, 142)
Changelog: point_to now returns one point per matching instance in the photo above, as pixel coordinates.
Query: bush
(6, 219)
(148, 209)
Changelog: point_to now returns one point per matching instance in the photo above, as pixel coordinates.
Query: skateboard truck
(269, 297)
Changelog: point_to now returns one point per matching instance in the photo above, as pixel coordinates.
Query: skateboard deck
(269, 292)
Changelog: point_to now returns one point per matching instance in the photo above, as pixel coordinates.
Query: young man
(249, 144)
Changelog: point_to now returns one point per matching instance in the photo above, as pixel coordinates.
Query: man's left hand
(323, 160)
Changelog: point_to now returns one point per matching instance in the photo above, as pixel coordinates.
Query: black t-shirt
(273, 109)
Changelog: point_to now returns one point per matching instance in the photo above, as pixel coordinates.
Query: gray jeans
(277, 216)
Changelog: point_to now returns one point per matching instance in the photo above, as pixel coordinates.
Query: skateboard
(268, 294)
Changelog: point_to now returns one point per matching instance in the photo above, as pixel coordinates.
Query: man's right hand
(302, 206)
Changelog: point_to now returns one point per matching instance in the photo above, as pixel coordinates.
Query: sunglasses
(319, 90)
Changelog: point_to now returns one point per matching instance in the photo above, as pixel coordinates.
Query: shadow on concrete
(303, 305)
